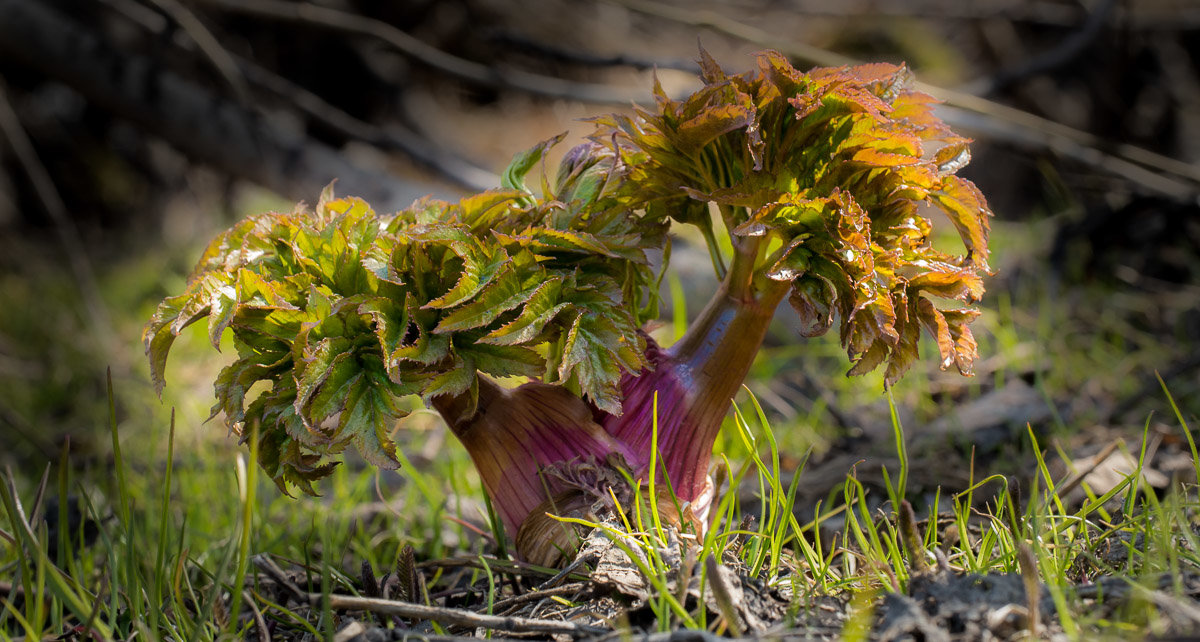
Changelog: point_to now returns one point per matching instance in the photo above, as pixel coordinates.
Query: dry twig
(457, 617)
(68, 234)
(268, 566)
(329, 18)
(209, 46)
(530, 596)
(320, 111)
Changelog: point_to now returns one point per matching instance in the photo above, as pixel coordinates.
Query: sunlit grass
(180, 512)
(174, 541)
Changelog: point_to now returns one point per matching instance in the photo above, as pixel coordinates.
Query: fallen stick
(456, 617)
(530, 596)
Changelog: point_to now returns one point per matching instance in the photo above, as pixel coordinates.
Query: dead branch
(11, 130)
(708, 18)
(535, 595)
(393, 138)
(450, 616)
(575, 57)
(209, 46)
(328, 18)
(1067, 50)
(204, 126)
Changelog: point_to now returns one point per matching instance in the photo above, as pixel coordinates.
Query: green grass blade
(59, 584)
(243, 552)
(1187, 432)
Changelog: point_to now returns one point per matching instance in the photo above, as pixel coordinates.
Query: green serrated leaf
(541, 308)
(391, 321)
(428, 348)
(514, 175)
(456, 380)
(587, 358)
(329, 357)
(484, 212)
(158, 337)
(369, 417)
(256, 291)
(507, 291)
(331, 394)
(504, 361)
(222, 304)
(234, 381)
(480, 266)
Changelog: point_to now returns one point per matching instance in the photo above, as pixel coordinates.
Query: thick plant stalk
(514, 434)
(695, 381)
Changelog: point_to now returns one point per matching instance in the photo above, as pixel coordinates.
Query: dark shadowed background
(132, 130)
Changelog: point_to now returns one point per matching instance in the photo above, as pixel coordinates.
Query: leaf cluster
(830, 175)
(338, 313)
(823, 179)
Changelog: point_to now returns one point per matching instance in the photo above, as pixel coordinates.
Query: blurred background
(131, 131)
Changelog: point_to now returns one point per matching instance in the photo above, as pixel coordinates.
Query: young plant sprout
(821, 182)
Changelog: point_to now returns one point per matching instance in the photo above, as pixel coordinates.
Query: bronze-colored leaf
(813, 298)
(935, 323)
(968, 211)
(905, 353)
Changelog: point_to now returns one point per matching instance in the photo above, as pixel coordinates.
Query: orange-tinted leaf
(965, 347)
(968, 211)
(711, 123)
(953, 156)
(935, 323)
(962, 284)
(904, 354)
(710, 71)
(876, 158)
(950, 328)
(870, 358)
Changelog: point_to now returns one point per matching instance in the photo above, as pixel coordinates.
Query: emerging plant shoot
(823, 183)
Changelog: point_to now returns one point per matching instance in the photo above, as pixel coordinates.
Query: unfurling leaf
(813, 299)
(514, 174)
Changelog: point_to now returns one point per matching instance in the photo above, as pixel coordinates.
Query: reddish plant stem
(695, 380)
(514, 434)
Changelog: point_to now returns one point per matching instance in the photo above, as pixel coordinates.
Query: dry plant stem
(1029, 576)
(203, 125)
(531, 596)
(268, 566)
(911, 539)
(1077, 477)
(68, 234)
(455, 617)
(393, 137)
(209, 46)
(718, 22)
(497, 565)
(260, 623)
(328, 18)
